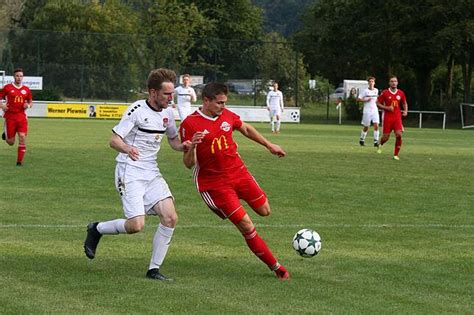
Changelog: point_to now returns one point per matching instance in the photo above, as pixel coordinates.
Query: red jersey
(217, 159)
(389, 98)
(16, 98)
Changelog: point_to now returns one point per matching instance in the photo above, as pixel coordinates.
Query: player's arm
(175, 144)
(405, 108)
(382, 106)
(250, 132)
(268, 101)
(189, 156)
(281, 102)
(193, 96)
(116, 142)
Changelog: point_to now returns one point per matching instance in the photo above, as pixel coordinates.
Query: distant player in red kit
(220, 175)
(18, 98)
(390, 101)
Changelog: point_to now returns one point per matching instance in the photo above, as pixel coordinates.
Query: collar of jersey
(205, 116)
(393, 92)
(152, 108)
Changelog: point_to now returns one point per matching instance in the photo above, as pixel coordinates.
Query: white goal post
(467, 115)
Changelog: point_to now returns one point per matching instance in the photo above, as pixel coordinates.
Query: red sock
(383, 140)
(398, 144)
(260, 249)
(21, 152)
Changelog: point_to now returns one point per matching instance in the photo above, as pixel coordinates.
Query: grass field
(397, 236)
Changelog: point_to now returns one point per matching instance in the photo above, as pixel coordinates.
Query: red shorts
(390, 124)
(225, 199)
(15, 124)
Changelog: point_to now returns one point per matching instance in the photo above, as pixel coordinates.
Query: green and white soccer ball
(307, 243)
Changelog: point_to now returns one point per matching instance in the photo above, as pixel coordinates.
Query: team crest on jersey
(398, 97)
(23, 92)
(225, 126)
(165, 122)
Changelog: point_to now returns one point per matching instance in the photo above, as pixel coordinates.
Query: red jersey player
(220, 174)
(18, 98)
(390, 101)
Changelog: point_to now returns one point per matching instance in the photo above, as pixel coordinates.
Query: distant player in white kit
(371, 112)
(142, 188)
(185, 95)
(275, 107)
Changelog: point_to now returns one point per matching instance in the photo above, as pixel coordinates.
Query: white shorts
(140, 195)
(368, 117)
(275, 112)
(184, 111)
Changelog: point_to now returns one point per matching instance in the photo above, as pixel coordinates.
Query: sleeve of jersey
(125, 125)
(380, 99)
(237, 122)
(171, 130)
(185, 131)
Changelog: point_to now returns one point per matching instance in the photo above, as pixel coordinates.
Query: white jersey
(371, 105)
(185, 95)
(275, 100)
(143, 127)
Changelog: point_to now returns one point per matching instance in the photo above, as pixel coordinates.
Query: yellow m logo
(219, 142)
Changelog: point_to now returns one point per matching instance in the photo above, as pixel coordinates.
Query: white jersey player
(142, 188)
(275, 107)
(370, 112)
(185, 95)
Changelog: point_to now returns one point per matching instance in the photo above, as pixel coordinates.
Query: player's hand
(405, 113)
(276, 149)
(187, 145)
(133, 153)
(4, 107)
(389, 108)
(173, 105)
(197, 138)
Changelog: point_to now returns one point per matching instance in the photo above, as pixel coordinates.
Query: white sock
(112, 227)
(376, 136)
(277, 125)
(273, 125)
(363, 134)
(161, 243)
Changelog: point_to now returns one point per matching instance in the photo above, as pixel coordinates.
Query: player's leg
(11, 126)
(134, 210)
(159, 201)
(278, 122)
(249, 190)
(376, 134)
(363, 134)
(387, 129)
(257, 245)
(272, 120)
(398, 143)
(376, 120)
(21, 148)
(165, 209)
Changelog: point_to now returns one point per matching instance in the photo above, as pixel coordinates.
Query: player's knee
(245, 225)
(264, 210)
(170, 220)
(10, 141)
(133, 227)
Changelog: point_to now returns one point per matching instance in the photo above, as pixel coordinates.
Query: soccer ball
(307, 243)
(294, 116)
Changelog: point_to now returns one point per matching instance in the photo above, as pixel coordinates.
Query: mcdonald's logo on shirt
(219, 141)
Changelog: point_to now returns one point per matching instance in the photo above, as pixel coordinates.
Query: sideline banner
(92, 110)
(70, 110)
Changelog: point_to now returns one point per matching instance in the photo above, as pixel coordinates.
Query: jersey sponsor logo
(394, 104)
(18, 99)
(225, 126)
(218, 142)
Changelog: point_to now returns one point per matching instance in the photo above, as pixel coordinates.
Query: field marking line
(277, 226)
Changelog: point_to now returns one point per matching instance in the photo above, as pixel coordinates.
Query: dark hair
(392, 76)
(158, 76)
(17, 70)
(186, 76)
(370, 78)
(211, 90)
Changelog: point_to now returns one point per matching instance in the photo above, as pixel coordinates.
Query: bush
(47, 95)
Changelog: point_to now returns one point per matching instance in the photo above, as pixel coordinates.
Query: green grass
(397, 236)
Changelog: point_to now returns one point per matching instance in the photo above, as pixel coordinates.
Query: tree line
(113, 44)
